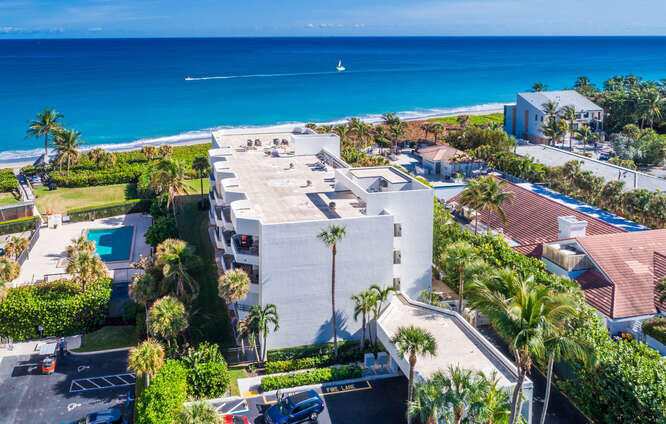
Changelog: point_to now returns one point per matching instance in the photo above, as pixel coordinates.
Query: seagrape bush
(207, 373)
(8, 181)
(160, 402)
(60, 307)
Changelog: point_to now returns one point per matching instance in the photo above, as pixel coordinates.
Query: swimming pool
(112, 244)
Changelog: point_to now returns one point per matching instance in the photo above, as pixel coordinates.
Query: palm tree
(247, 328)
(549, 108)
(552, 130)
(491, 403)
(86, 267)
(149, 152)
(461, 260)
(260, 319)
(521, 311)
(167, 318)
(144, 291)
(472, 198)
(413, 341)
(45, 124)
(585, 135)
(653, 102)
(381, 296)
(165, 151)
(437, 130)
(9, 270)
(67, 143)
(176, 259)
(426, 127)
(539, 86)
(146, 359)
(170, 178)
(342, 131)
(198, 413)
(560, 344)
(464, 121)
(363, 131)
(330, 237)
(201, 165)
(364, 304)
(569, 114)
(15, 246)
(428, 403)
(459, 386)
(397, 130)
(234, 285)
(80, 244)
(494, 197)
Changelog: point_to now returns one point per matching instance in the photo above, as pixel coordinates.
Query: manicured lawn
(109, 337)
(236, 373)
(474, 119)
(195, 186)
(209, 321)
(7, 199)
(68, 198)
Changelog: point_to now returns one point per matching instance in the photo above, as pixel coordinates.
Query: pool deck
(48, 254)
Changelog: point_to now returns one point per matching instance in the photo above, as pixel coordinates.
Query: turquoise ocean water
(123, 91)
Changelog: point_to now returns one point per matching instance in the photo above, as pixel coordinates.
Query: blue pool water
(117, 91)
(112, 244)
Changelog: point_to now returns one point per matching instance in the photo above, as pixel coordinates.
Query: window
(299, 408)
(397, 257)
(397, 230)
(536, 116)
(542, 119)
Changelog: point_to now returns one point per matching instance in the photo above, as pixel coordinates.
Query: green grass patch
(109, 337)
(195, 186)
(63, 198)
(236, 373)
(474, 119)
(8, 199)
(656, 328)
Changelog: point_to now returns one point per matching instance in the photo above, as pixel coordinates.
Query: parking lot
(80, 385)
(378, 401)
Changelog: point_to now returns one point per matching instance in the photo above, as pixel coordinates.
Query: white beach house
(525, 118)
(274, 192)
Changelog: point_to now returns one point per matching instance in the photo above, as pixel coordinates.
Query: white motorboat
(340, 67)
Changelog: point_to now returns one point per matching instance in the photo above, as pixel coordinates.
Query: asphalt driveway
(70, 393)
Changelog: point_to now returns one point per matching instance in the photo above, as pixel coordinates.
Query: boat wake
(294, 74)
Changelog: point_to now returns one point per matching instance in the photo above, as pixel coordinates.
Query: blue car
(108, 416)
(297, 408)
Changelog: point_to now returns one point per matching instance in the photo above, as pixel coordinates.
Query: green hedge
(60, 307)
(159, 403)
(306, 351)
(18, 225)
(323, 375)
(351, 353)
(207, 373)
(656, 328)
(109, 209)
(8, 182)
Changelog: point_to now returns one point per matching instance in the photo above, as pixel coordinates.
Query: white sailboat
(340, 67)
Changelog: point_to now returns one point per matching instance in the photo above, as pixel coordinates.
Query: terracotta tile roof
(598, 291)
(532, 218)
(627, 260)
(439, 153)
(530, 250)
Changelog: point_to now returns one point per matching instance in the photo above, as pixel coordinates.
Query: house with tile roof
(525, 118)
(444, 160)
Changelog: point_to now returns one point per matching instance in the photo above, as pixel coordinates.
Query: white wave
(205, 134)
(295, 74)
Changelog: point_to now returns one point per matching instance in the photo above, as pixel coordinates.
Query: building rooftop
(439, 153)
(561, 98)
(458, 343)
(629, 263)
(389, 174)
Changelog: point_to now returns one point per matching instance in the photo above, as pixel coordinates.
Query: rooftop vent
(276, 141)
(331, 206)
(250, 143)
(257, 142)
(308, 183)
(285, 141)
(383, 183)
(570, 227)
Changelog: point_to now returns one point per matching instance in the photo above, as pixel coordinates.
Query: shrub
(298, 364)
(18, 225)
(656, 328)
(323, 375)
(207, 372)
(305, 351)
(8, 182)
(108, 209)
(163, 227)
(159, 403)
(143, 184)
(60, 307)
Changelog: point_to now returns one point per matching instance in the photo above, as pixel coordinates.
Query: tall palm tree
(550, 108)
(247, 328)
(260, 319)
(198, 413)
(342, 131)
(165, 151)
(149, 152)
(552, 130)
(46, 123)
(413, 341)
(464, 121)
(15, 246)
(80, 244)
(653, 103)
(397, 130)
(201, 165)
(364, 304)
(170, 178)
(144, 291)
(146, 359)
(363, 131)
(9, 270)
(437, 130)
(460, 260)
(428, 404)
(491, 404)
(459, 386)
(176, 259)
(168, 318)
(330, 237)
(559, 345)
(472, 198)
(521, 311)
(569, 114)
(539, 86)
(585, 135)
(67, 143)
(426, 128)
(381, 296)
(86, 267)
(234, 285)
(495, 195)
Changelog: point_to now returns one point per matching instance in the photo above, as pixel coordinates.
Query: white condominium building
(274, 192)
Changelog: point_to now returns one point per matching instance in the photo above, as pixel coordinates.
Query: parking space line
(82, 384)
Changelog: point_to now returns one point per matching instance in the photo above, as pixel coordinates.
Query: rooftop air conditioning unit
(383, 183)
(331, 206)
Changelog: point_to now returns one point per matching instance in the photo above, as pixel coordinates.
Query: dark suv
(297, 408)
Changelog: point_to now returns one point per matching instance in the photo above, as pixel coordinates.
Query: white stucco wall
(295, 275)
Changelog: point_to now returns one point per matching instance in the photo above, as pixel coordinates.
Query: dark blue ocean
(118, 91)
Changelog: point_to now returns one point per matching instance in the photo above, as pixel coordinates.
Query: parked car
(297, 408)
(235, 419)
(107, 416)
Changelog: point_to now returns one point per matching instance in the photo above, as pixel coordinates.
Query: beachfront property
(616, 262)
(525, 118)
(274, 192)
(444, 160)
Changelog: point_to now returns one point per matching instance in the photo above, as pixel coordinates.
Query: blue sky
(197, 18)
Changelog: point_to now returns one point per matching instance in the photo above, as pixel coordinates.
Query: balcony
(245, 254)
(214, 198)
(567, 257)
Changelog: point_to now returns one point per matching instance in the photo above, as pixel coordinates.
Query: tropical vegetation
(331, 236)
(317, 376)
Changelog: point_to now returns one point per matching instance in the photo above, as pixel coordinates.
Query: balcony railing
(252, 250)
(566, 258)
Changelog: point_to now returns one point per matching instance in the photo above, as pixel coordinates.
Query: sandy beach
(200, 137)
